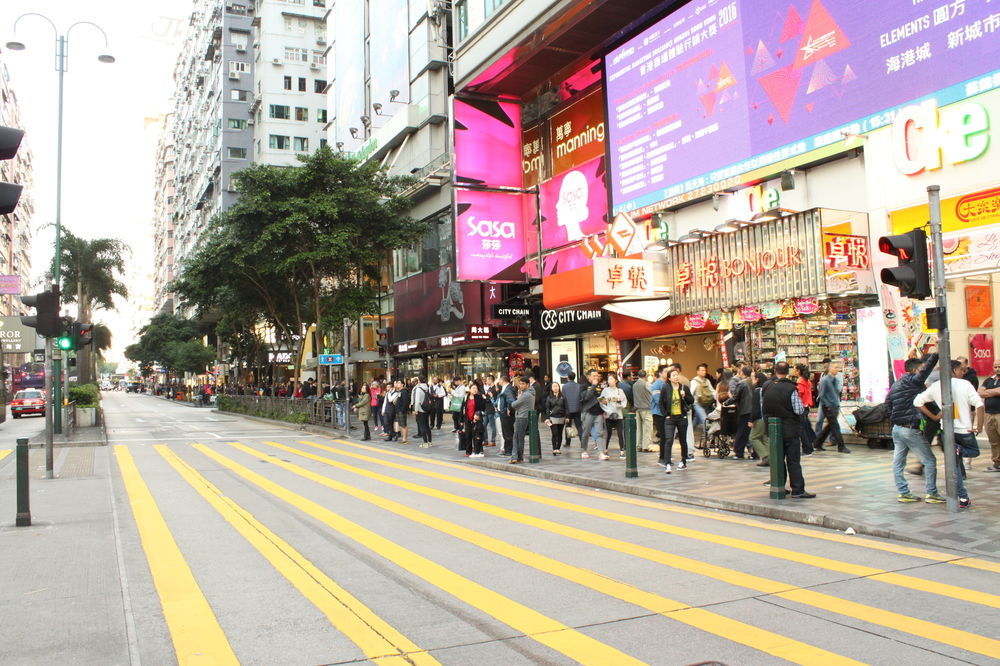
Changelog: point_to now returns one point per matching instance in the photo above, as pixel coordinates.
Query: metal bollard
(776, 457)
(631, 459)
(23, 499)
(534, 441)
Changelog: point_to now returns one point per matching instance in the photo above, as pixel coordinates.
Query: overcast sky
(107, 144)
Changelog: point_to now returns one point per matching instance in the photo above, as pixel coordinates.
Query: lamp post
(62, 57)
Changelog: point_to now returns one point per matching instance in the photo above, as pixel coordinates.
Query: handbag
(571, 431)
(455, 405)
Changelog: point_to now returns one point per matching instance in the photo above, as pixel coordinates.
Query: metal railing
(330, 413)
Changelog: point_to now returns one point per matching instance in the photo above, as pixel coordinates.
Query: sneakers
(605, 456)
(661, 463)
(802, 495)
(584, 455)
(964, 502)
(690, 456)
(621, 456)
(992, 468)
(682, 465)
(903, 498)
(667, 468)
(933, 498)
(843, 449)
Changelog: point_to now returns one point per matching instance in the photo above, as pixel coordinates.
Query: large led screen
(723, 87)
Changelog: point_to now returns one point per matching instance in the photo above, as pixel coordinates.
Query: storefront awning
(652, 311)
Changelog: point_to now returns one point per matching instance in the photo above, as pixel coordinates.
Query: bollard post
(776, 457)
(534, 441)
(23, 499)
(631, 459)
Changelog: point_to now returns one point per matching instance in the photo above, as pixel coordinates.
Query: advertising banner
(981, 354)
(489, 235)
(978, 209)
(10, 284)
(487, 143)
(434, 303)
(576, 133)
(574, 205)
(17, 337)
(720, 87)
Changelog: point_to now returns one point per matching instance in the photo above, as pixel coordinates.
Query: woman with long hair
(363, 406)
(613, 401)
(555, 416)
(473, 428)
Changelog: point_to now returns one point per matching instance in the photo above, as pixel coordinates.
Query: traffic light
(10, 193)
(65, 341)
(82, 334)
(46, 319)
(912, 275)
(384, 338)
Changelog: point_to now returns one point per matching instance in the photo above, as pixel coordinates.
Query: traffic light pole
(944, 351)
(49, 413)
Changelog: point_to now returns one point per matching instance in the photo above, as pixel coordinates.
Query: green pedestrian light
(65, 343)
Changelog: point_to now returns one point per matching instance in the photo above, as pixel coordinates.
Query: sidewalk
(854, 490)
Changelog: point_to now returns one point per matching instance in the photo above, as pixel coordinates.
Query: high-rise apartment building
(15, 229)
(163, 217)
(250, 87)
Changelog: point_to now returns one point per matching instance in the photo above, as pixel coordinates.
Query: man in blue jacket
(906, 434)
(830, 387)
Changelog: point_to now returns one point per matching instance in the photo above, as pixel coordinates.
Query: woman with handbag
(613, 401)
(555, 416)
(473, 405)
(363, 406)
(458, 391)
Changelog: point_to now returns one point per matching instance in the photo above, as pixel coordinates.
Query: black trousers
(557, 435)
(368, 432)
(831, 428)
(424, 426)
(806, 434)
(507, 430)
(616, 425)
(793, 460)
(742, 435)
(473, 444)
(658, 429)
(438, 416)
(673, 426)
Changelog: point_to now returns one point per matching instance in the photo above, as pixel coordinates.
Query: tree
(302, 245)
(171, 342)
(89, 271)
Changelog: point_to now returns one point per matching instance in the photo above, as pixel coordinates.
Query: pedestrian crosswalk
(534, 570)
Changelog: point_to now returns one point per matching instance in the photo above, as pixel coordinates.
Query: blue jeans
(959, 466)
(905, 440)
(491, 428)
(700, 418)
(819, 421)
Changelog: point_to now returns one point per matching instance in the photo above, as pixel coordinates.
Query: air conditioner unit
(235, 76)
(321, 41)
(314, 66)
(276, 61)
(241, 49)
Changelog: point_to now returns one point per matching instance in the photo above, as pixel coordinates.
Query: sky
(108, 138)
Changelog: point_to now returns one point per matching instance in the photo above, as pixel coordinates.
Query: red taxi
(28, 401)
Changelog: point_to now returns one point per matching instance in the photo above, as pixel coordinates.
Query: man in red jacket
(804, 387)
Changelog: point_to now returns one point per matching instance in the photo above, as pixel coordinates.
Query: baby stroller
(721, 430)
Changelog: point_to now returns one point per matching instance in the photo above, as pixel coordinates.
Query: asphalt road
(246, 542)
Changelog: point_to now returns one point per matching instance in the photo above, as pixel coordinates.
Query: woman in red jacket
(805, 389)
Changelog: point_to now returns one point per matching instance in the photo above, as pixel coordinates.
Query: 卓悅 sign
(510, 311)
(17, 337)
(10, 284)
(331, 359)
(623, 277)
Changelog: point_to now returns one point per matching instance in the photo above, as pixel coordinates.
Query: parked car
(28, 401)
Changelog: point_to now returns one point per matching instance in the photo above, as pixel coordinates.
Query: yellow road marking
(954, 637)
(379, 640)
(901, 580)
(194, 629)
(707, 621)
(4, 454)
(857, 541)
(549, 632)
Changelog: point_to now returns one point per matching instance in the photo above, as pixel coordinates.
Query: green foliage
(107, 367)
(236, 406)
(85, 395)
(172, 342)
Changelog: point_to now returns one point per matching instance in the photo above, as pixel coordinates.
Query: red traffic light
(912, 275)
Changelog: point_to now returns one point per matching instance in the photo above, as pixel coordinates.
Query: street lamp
(62, 55)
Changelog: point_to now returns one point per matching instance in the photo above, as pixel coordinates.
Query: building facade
(15, 229)
(163, 217)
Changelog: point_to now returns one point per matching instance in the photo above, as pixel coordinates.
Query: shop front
(574, 340)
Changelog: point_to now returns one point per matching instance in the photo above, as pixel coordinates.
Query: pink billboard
(487, 143)
(489, 235)
(574, 205)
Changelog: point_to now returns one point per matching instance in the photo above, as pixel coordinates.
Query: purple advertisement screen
(723, 87)
(574, 205)
(489, 235)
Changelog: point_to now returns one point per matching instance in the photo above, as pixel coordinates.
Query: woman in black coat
(471, 415)
(675, 403)
(555, 416)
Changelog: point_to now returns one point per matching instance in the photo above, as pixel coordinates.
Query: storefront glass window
(600, 352)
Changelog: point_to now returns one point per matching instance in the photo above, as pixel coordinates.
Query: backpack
(704, 396)
(427, 404)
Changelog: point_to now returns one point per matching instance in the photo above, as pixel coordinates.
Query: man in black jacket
(781, 400)
(743, 395)
(906, 434)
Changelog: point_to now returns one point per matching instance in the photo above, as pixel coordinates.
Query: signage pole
(944, 352)
(347, 383)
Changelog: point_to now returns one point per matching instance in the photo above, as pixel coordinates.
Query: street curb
(782, 513)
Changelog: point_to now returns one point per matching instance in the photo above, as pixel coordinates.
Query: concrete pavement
(209, 537)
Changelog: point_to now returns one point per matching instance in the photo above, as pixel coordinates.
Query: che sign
(331, 359)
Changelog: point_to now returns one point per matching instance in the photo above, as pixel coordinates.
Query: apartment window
(278, 142)
(302, 84)
(319, 3)
(239, 40)
(321, 34)
(237, 66)
(288, 83)
(294, 2)
(321, 115)
(240, 95)
(236, 8)
(236, 153)
(318, 58)
(237, 124)
(301, 113)
(280, 111)
(493, 5)
(462, 12)
(319, 85)
(322, 142)
(301, 144)
(295, 54)
(296, 26)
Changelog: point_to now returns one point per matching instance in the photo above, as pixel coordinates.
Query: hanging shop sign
(847, 253)
(559, 323)
(576, 133)
(925, 138)
(508, 312)
(771, 261)
(478, 333)
(623, 277)
(978, 209)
